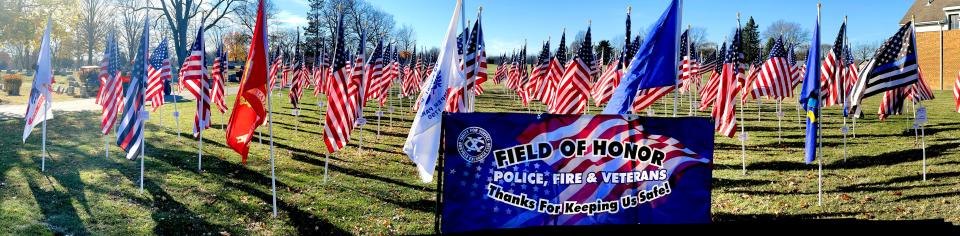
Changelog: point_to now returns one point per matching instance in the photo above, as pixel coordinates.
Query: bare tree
(864, 51)
(93, 18)
(793, 33)
(403, 37)
(180, 13)
(131, 23)
(246, 13)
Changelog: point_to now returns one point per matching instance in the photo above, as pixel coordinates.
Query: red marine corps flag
(249, 110)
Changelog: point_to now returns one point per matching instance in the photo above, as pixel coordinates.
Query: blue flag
(654, 65)
(810, 95)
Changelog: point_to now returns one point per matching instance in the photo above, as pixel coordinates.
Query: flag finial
(629, 8)
(479, 9)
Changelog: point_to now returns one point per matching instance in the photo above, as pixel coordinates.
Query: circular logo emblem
(474, 144)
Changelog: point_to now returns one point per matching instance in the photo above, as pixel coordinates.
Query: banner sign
(504, 170)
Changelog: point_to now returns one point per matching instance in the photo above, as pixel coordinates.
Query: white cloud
(289, 20)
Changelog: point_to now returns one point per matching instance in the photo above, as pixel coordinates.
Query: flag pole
(743, 130)
(43, 157)
(843, 95)
(779, 120)
(143, 149)
(176, 111)
(273, 176)
(819, 138)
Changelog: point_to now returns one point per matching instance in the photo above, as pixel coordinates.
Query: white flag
(423, 140)
(38, 108)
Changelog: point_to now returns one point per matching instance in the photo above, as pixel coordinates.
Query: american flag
(850, 72)
(832, 71)
(537, 85)
(109, 66)
(460, 95)
(501, 73)
(678, 158)
(750, 83)
(392, 73)
(275, 69)
(603, 89)
(775, 78)
(320, 68)
(920, 91)
(574, 87)
(480, 72)
(219, 78)
(111, 89)
(375, 72)
(300, 77)
(797, 71)
(892, 102)
(358, 82)
(894, 66)
(158, 72)
(340, 111)
(709, 93)
(686, 61)
(481, 59)
(130, 132)
(724, 111)
(194, 78)
(555, 71)
(647, 97)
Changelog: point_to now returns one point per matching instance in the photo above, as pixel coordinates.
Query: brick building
(938, 39)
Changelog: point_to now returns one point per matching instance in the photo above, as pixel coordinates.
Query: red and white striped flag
(194, 79)
(724, 108)
(341, 109)
(574, 86)
(219, 70)
(158, 71)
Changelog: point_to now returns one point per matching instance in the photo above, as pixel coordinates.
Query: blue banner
(505, 170)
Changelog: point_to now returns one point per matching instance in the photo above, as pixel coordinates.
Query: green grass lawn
(376, 190)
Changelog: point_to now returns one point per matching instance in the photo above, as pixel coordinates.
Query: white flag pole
(326, 165)
(43, 158)
(273, 176)
(819, 139)
(759, 102)
(676, 93)
(200, 127)
(779, 120)
(843, 96)
(743, 124)
(176, 112)
(143, 149)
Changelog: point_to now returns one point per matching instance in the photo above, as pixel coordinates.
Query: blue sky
(506, 23)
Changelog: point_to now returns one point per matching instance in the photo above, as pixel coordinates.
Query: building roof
(928, 10)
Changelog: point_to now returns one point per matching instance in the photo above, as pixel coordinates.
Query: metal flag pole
(43, 157)
(779, 120)
(176, 111)
(759, 102)
(143, 149)
(843, 96)
(819, 139)
(743, 130)
(273, 176)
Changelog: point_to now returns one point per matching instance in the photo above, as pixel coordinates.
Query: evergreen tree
(751, 40)
(314, 31)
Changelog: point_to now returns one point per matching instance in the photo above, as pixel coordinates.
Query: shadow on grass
(305, 222)
(359, 174)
